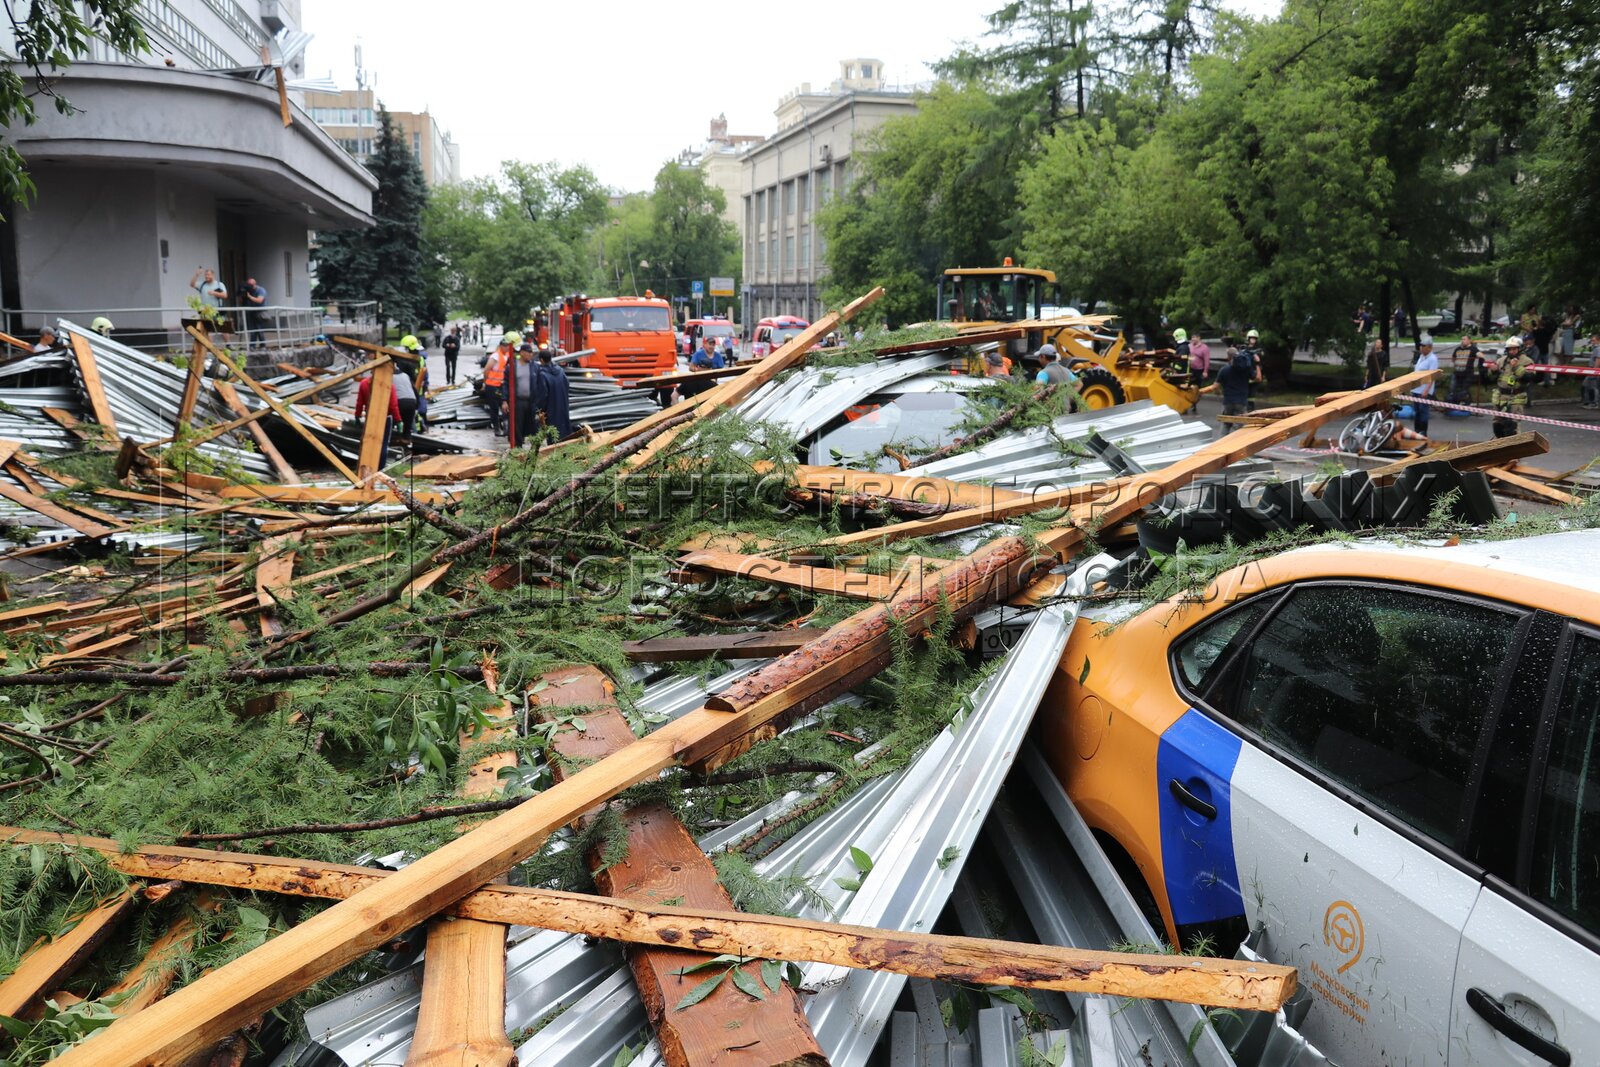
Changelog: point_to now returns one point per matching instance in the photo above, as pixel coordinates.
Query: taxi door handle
(1181, 794)
(1494, 1013)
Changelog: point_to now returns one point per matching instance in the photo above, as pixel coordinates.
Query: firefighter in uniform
(495, 367)
(1510, 395)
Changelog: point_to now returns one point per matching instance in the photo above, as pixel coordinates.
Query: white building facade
(176, 159)
(788, 177)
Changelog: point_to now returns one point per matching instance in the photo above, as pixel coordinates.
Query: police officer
(1511, 388)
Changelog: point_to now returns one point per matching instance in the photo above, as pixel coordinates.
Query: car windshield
(716, 329)
(638, 318)
(780, 334)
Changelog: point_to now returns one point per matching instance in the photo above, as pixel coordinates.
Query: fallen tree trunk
(1194, 980)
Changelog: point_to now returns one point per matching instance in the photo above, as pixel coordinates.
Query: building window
(416, 143)
(866, 70)
(805, 248)
(788, 199)
(761, 257)
(803, 184)
(788, 252)
(772, 254)
(288, 275)
(761, 208)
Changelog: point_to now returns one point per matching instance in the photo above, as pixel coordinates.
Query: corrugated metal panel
(811, 397)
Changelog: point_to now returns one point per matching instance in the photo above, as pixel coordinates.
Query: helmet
(1515, 342)
(1253, 335)
(102, 325)
(512, 338)
(410, 343)
(1180, 335)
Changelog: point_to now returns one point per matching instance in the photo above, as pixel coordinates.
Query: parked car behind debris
(1387, 756)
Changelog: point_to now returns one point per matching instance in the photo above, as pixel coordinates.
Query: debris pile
(473, 724)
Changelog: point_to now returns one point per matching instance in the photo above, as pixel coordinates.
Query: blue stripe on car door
(1197, 853)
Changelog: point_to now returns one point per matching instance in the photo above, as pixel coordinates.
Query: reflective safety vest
(494, 372)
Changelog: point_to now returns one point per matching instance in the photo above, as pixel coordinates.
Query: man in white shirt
(1426, 360)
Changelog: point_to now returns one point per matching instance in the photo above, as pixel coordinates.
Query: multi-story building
(721, 157)
(177, 158)
(351, 117)
(787, 177)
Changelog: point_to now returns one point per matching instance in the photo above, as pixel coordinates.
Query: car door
(1527, 988)
(1336, 754)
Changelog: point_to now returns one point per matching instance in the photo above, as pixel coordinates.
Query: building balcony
(225, 132)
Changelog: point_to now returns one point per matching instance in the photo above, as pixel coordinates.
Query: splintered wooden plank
(998, 510)
(968, 960)
(320, 494)
(191, 388)
(149, 979)
(276, 405)
(51, 510)
(1518, 485)
(462, 1019)
(377, 421)
(921, 488)
(280, 466)
(664, 863)
(452, 468)
(274, 580)
(818, 581)
(721, 646)
(52, 960)
(89, 371)
(1490, 453)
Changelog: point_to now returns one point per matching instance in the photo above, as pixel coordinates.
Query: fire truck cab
(627, 337)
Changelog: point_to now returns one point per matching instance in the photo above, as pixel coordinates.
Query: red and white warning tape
(1491, 411)
(1562, 368)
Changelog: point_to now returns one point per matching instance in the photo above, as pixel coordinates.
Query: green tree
(1041, 61)
(49, 37)
(1289, 231)
(687, 236)
(1109, 219)
(502, 247)
(932, 190)
(384, 262)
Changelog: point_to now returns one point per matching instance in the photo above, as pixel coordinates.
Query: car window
(1382, 690)
(1199, 656)
(1566, 864)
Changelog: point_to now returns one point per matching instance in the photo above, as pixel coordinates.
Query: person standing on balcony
(255, 298)
(211, 291)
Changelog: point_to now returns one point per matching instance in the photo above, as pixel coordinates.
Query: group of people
(524, 390)
(1238, 372)
(212, 293)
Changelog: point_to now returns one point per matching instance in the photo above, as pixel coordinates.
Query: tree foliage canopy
(1184, 163)
(385, 262)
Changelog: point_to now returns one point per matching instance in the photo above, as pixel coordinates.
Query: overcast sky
(619, 85)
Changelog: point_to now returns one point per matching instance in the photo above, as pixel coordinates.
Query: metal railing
(161, 329)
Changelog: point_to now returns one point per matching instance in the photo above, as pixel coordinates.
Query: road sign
(721, 286)
(697, 287)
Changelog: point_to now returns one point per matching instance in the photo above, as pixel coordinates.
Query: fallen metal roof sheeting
(909, 821)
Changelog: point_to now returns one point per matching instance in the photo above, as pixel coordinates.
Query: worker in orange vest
(495, 365)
